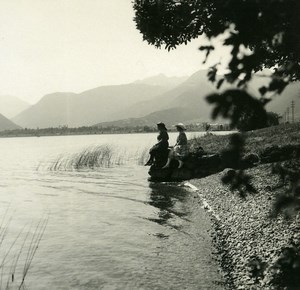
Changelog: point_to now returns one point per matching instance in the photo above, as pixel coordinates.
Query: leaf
(206, 47)
(211, 75)
(220, 82)
(277, 85)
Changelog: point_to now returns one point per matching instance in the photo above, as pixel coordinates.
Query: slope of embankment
(249, 237)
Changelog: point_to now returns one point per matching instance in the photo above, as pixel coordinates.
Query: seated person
(161, 147)
(180, 150)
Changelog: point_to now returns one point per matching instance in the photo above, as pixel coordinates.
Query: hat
(181, 126)
(162, 125)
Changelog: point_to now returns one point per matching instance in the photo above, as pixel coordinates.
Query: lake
(107, 227)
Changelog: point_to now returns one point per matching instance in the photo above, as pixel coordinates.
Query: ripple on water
(108, 228)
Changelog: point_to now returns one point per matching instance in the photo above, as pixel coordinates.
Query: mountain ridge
(10, 106)
(86, 108)
(6, 124)
(128, 102)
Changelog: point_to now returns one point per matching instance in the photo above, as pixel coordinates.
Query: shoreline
(244, 232)
(2, 135)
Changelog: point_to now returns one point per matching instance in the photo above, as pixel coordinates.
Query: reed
(143, 156)
(17, 252)
(99, 156)
(33, 246)
(91, 157)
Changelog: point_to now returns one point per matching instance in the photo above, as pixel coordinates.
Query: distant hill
(10, 106)
(184, 103)
(6, 124)
(87, 108)
(189, 95)
(280, 103)
(143, 102)
(169, 116)
(162, 80)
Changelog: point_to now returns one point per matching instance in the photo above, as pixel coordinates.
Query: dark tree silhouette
(261, 34)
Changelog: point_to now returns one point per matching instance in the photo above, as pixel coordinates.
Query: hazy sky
(74, 45)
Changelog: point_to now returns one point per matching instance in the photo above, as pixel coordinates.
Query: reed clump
(92, 157)
(99, 156)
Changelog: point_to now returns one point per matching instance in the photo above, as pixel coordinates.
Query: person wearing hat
(162, 146)
(180, 149)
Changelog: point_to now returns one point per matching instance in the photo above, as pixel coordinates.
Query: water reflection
(169, 199)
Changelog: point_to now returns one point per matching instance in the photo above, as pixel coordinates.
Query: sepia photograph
(150, 144)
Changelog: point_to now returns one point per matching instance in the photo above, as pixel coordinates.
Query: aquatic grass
(3, 263)
(18, 252)
(16, 258)
(94, 157)
(91, 157)
(33, 246)
(99, 156)
(143, 156)
(4, 227)
(119, 160)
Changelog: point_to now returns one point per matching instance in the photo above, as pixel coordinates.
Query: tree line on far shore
(243, 124)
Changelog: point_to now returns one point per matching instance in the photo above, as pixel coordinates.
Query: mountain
(280, 103)
(169, 116)
(87, 108)
(10, 106)
(186, 102)
(6, 124)
(188, 95)
(162, 80)
(143, 102)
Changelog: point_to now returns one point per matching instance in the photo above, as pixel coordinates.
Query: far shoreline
(38, 133)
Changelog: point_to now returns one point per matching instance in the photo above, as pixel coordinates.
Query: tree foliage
(273, 119)
(245, 112)
(261, 33)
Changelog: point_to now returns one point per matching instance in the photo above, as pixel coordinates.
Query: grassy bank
(256, 140)
(251, 239)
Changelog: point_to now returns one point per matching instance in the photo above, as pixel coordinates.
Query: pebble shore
(244, 229)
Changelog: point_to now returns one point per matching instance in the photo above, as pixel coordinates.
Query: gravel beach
(247, 237)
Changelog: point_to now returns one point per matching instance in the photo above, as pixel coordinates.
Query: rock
(181, 174)
(249, 160)
(230, 158)
(192, 162)
(210, 161)
(200, 164)
(159, 174)
(197, 149)
(275, 153)
(194, 166)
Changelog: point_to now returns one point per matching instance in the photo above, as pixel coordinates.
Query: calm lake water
(108, 228)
